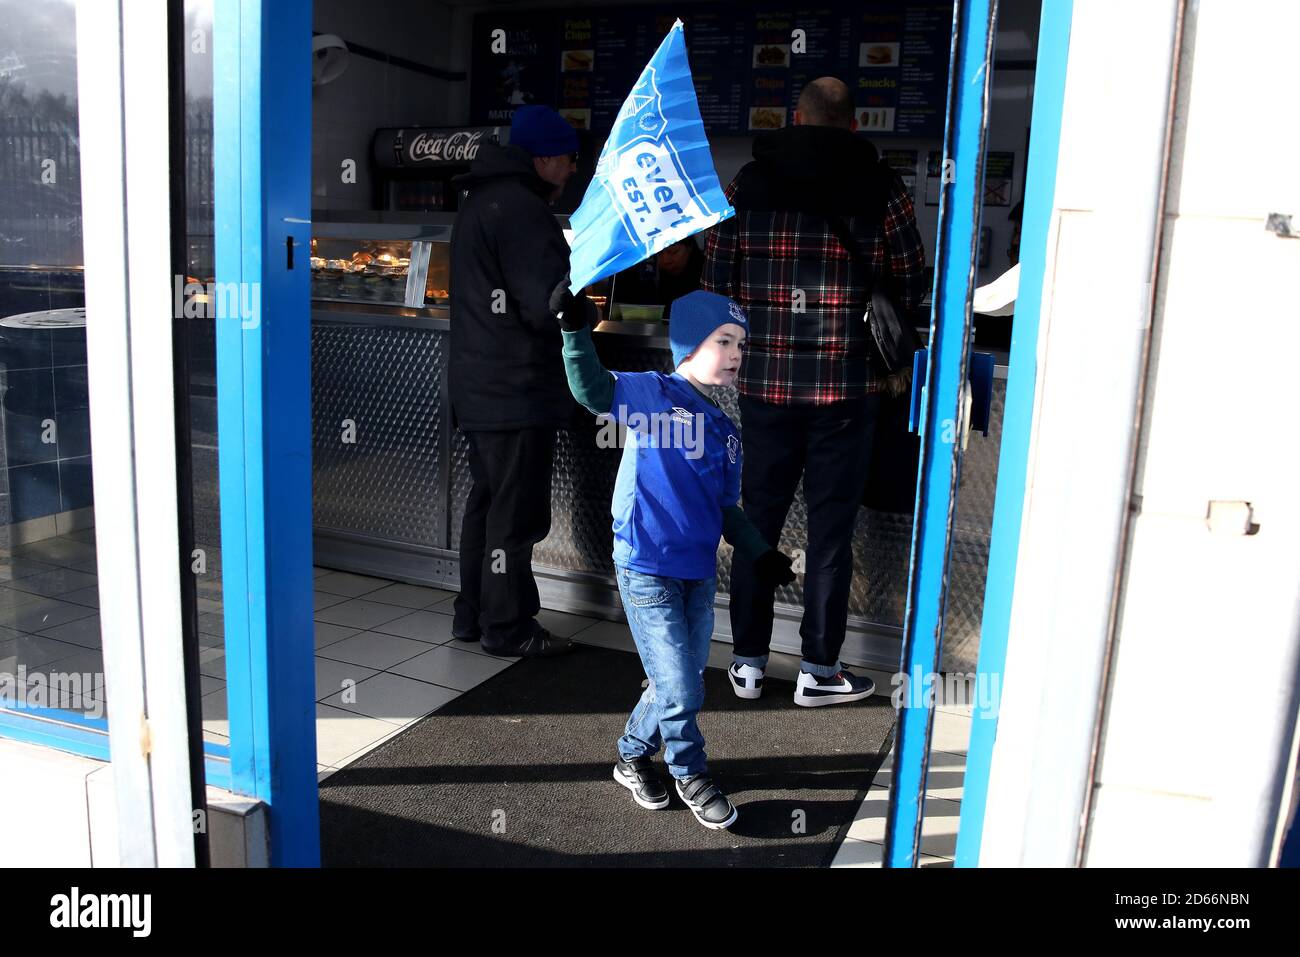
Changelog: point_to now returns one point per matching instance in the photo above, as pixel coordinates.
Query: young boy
(677, 491)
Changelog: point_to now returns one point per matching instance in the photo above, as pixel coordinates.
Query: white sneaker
(842, 688)
(746, 680)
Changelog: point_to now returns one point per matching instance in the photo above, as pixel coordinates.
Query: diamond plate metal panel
(386, 380)
(460, 483)
(972, 528)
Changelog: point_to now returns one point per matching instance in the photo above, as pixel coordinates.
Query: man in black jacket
(808, 388)
(509, 393)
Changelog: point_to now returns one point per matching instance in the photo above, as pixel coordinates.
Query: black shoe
(709, 805)
(639, 777)
(471, 636)
(541, 644)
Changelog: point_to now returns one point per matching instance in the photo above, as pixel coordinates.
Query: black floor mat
(517, 772)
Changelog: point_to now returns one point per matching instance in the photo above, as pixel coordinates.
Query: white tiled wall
(370, 94)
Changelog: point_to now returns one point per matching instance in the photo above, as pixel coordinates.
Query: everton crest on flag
(655, 182)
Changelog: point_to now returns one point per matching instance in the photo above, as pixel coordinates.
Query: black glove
(773, 569)
(574, 312)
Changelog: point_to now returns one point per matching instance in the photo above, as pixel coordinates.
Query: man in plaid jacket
(809, 387)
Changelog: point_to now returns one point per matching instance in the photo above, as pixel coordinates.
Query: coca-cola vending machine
(414, 166)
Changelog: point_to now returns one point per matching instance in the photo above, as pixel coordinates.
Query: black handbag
(893, 336)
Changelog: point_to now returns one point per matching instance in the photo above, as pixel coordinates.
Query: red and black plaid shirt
(806, 296)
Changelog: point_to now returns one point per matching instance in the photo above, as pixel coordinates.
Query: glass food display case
(382, 263)
(392, 262)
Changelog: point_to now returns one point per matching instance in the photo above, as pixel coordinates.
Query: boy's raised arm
(590, 382)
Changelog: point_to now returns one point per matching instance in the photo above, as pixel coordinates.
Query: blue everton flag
(655, 182)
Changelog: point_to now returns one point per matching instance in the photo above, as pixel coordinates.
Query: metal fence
(40, 191)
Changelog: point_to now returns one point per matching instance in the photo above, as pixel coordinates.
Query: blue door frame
(1022, 379)
(262, 175)
(969, 81)
(960, 204)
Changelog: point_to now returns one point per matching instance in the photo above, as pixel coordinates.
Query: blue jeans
(672, 623)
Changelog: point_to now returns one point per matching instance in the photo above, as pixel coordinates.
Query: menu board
(769, 70)
(715, 39)
(749, 65)
(789, 48)
(821, 45)
(624, 42)
(598, 55)
(927, 45)
(577, 66)
(902, 62)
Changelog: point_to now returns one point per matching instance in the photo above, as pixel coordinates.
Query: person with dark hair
(670, 274)
(809, 389)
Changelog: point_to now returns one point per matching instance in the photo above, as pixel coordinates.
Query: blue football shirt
(680, 469)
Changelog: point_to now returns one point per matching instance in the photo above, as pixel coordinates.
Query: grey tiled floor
(49, 623)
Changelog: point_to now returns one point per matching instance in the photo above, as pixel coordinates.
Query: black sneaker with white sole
(709, 805)
(639, 777)
(843, 687)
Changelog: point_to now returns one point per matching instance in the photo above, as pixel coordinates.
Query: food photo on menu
(878, 54)
(766, 118)
(772, 55)
(578, 61)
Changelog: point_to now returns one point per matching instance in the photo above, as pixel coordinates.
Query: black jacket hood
(495, 162)
(830, 167)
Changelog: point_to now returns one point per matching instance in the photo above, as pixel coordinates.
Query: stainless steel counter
(390, 480)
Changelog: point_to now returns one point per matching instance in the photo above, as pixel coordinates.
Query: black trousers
(507, 513)
(829, 446)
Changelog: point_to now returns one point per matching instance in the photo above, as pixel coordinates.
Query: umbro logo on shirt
(733, 448)
(681, 415)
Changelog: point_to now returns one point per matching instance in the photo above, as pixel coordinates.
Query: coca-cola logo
(459, 147)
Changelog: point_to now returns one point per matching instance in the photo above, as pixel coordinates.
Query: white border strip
(122, 90)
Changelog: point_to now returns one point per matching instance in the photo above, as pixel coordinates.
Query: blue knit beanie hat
(541, 131)
(695, 315)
